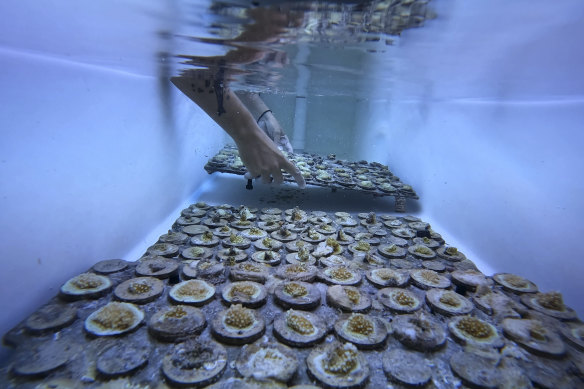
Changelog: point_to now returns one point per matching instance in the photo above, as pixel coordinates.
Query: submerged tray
(362, 176)
(419, 313)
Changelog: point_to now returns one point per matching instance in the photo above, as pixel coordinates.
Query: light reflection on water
(264, 45)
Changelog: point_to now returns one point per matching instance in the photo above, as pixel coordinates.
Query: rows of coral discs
(325, 287)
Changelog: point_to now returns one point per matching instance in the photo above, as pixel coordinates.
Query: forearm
(230, 113)
(253, 102)
(237, 122)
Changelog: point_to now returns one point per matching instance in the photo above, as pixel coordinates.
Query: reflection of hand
(274, 130)
(267, 27)
(262, 158)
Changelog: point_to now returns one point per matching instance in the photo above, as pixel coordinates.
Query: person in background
(242, 114)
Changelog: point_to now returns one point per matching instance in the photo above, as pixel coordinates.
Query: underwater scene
(305, 194)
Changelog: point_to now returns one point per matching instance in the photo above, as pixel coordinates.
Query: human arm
(265, 119)
(257, 151)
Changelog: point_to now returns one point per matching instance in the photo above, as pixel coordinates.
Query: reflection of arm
(268, 24)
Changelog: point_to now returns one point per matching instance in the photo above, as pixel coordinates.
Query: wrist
(248, 135)
(267, 111)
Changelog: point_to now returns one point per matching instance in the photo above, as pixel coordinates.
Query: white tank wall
(487, 127)
(91, 160)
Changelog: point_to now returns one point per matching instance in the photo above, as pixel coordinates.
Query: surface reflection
(261, 38)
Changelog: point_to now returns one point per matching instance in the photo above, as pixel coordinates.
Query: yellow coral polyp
(297, 268)
(390, 249)
(255, 231)
(475, 328)
(341, 274)
(268, 242)
(537, 332)
(451, 251)
(430, 276)
(176, 313)
(205, 265)
(313, 234)
(114, 316)
(362, 246)
(423, 250)
(404, 299)
(139, 288)
(359, 324)
(192, 289)
(295, 290)
(342, 236)
(86, 281)
(273, 354)
(303, 254)
(326, 227)
(353, 295)
(207, 236)
(251, 268)
(245, 289)
(516, 281)
(236, 239)
(239, 317)
(299, 323)
(551, 300)
(385, 274)
(450, 299)
(297, 215)
(332, 242)
(196, 251)
(423, 324)
(373, 259)
(341, 360)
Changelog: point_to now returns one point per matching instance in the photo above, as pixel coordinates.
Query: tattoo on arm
(219, 84)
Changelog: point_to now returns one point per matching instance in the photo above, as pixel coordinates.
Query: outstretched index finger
(295, 172)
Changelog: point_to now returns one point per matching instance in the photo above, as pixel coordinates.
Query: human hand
(274, 130)
(263, 159)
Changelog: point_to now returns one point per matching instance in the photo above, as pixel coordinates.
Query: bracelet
(262, 115)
